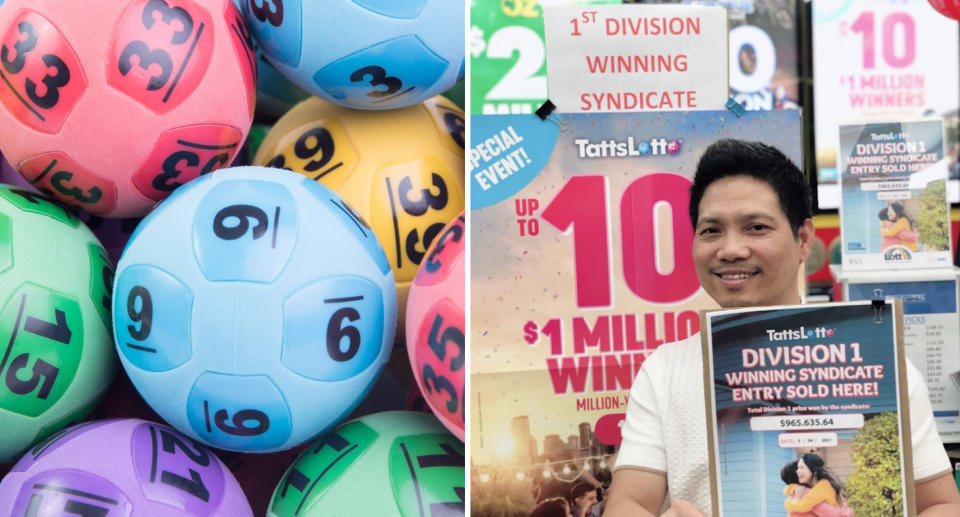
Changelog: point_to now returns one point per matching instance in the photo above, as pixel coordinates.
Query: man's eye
(707, 231)
(758, 227)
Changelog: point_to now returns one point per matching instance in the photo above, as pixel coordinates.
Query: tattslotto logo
(613, 148)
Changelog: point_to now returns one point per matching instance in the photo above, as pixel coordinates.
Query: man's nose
(732, 247)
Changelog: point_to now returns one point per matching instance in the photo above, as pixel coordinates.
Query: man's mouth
(735, 276)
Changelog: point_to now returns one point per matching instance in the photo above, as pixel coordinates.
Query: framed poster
(794, 388)
(877, 61)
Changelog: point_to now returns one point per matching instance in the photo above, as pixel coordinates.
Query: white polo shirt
(665, 430)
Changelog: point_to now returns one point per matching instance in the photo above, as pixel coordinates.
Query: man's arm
(635, 493)
(938, 497)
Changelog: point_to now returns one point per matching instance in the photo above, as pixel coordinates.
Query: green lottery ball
(56, 351)
(391, 464)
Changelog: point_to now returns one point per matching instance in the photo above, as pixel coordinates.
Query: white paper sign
(636, 57)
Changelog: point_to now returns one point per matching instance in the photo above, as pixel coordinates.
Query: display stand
(931, 326)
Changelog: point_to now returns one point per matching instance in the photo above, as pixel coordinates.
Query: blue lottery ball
(254, 309)
(366, 54)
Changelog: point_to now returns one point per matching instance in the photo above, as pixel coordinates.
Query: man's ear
(805, 236)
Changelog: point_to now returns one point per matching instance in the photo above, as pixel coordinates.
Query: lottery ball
(435, 326)
(124, 467)
(392, 464)
(275, 93)
(56, 358)
(254, 309)
(9, 176)
(365, 54)
(402, 170)
(110, 106)
(948, 8)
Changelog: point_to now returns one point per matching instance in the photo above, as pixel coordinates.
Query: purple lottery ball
(121, 468)
(10, 176)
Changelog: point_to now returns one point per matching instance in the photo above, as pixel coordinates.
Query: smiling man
(750, 209)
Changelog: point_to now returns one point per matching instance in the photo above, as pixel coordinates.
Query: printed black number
(427, 198)
(278, 162)
(215, 163)
(377, 77)
(145, 58)
(336, 332)
(171, 443)
(85, 510)
(309, 143)
(71, 506)
(441, 384)
(244, 34)
(36, 199)
(58, 179)
(22, 47)
(239, 420)
(455, 233)
(438, 342)
(106, 273)
(455, 126)
(41, 370)
(52, 83)
(193, 486)
(168, 15)
(59, 331)
(242, 213)
(171, 169)
(452, 458)
(413, 238)
(144, 316)
(271, 11)
(296, 479)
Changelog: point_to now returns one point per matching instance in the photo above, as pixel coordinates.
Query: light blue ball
(253, 309)
(366, 54)
(275, 93)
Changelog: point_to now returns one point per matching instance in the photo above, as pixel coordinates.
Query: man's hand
(584, 510)
(684, 509)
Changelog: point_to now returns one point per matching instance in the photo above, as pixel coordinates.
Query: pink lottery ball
(129, 468)
(109, 106)
(948, 8)
(435, 326)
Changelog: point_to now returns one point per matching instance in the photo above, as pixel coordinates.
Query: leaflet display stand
(931, 328)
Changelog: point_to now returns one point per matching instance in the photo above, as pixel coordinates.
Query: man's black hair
(577, 491)
(731, 157)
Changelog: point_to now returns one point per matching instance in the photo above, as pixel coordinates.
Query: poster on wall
(931, 322)
(883, 60)
(894, 211)
(791, 389)
(581, 266)
(508, 72)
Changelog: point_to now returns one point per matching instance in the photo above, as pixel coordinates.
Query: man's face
(587, 500)
(743, 247)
